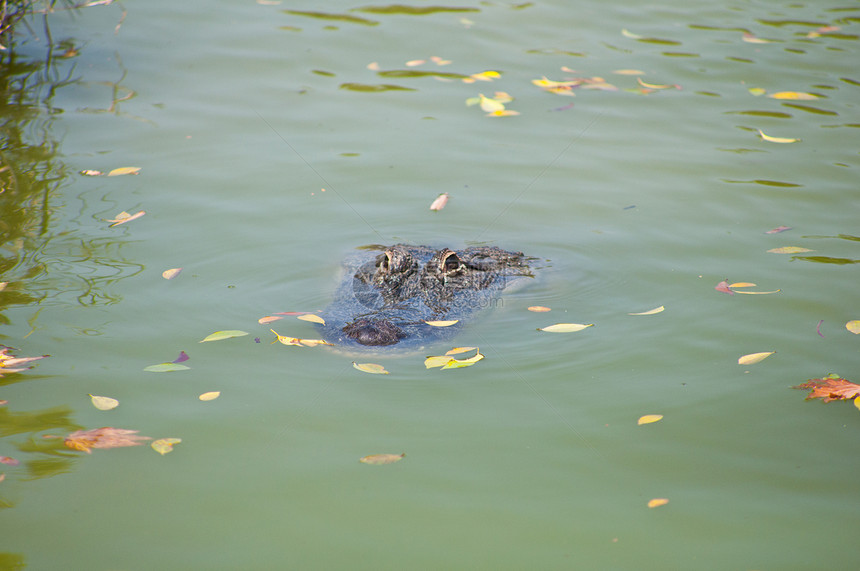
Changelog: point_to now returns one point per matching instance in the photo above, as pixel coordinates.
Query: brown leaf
(830, 388)
(105, 437)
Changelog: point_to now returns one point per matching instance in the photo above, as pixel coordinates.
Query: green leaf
(227, 334)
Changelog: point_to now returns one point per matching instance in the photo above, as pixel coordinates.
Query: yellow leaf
(124, 217)
(414, 62)
(853, 326)
(630, 35)
(490, 105)
(539, 308)
(857, 402)
(650, 311)
(170, 274)
(789, 250)
(91, 172)
(565, 327)
(655, 86)
(545, 83)
(754, 358)
(757, 292)
(795, 95)
(742, 284)
(437, 361)
(483, 76)
(503, 113)
(456, 350)
(757, 91)
(649, 418)
(164, 445)
(371, 368)
(269, 319)
(314, 342)
(313, 318)
(380, 459)
(104, 403)
(776, 139)
(460, 363)
(211, 395)
(124, 170)
(502, 97)
(442, 323)
(629, 72)
(657, 502)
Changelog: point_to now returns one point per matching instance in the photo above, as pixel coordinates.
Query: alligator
(387, 298)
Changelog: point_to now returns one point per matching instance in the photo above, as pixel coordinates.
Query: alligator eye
(450, 262)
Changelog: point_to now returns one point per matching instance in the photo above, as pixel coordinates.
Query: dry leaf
(170, 274)
(380, 459)
(165, 368)
(754, 358)
(649, 418)
(650, 311)
(312, 317)
(657, 502)
(539, 308)
(442, 323)
(853, 326)
(270, 318)
(106, 437)
(794, 95)
(371, 368)
(565, 327)
(211, 395)
(124, 217)
(789, 250)
(832, 387)
(104, 403)
(124, 170)
(440, 201)
(9, 363)
(164, 445)
(776, 139)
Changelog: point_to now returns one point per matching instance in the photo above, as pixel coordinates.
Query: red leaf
(723, 286)
(105, 437)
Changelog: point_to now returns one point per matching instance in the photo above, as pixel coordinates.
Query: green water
(240, 114)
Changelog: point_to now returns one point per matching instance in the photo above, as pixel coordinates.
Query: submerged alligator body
(386, 298)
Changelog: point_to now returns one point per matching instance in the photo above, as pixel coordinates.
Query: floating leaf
(270, 318)
(831, 387)
(757, 292)
(794, 95)
(380, 459)
(483, 76)
(91, 172)
(460, 363)
(489, 104)
(123, 171)
(457, 350)
(657, 502)
(164, 445)
(565, 327)
(227, 334)
(649, 418)
(165, 368)
(183, 356)
(211, 395)
(650, 311)
(776, 139)
(371, 368)
(539, 308)
(747, 37)
(442, 323)
(630, 35)
(9, 461)
(171, 273)
(106, 437)
(789, 250)
(723, 286)
(437, 361)
(629, 72)
(757, 91)
(657, 86)
(312, 317)
(9, 363)
(742, 284)
(414, 62)
(299, 342)
(853, 326)
(104, 403)
(754, 358)
(440, 202)
(124, 217)
(778, 229)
